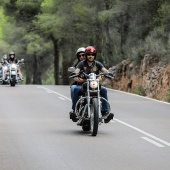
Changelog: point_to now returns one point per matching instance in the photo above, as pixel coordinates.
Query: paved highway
(37, 134)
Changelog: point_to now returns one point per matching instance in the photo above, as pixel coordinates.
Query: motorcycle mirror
(22, 60)
(71, 69)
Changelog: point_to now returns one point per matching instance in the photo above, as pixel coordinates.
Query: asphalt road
(37, 134)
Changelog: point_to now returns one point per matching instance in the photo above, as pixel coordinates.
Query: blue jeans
(76, 92)
(72, 91)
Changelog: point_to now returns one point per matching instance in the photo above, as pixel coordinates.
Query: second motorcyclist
(4, 64)
(12, 59)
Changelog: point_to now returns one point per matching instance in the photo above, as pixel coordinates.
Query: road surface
(37, 134)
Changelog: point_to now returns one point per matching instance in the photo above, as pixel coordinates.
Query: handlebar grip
(72, 76)
(108, 76)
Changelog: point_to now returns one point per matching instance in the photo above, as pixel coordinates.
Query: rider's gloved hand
(110, 74)
(72, 74)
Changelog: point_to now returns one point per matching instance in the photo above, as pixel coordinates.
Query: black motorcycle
(88, 107)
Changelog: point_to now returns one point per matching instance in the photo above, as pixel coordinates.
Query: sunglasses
(81, 55)
(89, 54)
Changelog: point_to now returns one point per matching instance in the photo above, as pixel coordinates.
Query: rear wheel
(94, 119)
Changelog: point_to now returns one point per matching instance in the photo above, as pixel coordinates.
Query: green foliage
(140, 91)
(167, 98)
(1, 21)
(163, 14)
(119, 29)
(48, 78)
(3, 24)
(156, 43)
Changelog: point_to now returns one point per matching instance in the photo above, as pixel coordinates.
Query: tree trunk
(124, 30)
(37, 71)
(108, 40)
(28, 74)
(65, 74)
(98, 36)
(56, 59)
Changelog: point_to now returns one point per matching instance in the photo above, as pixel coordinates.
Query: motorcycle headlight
(13, 66)
(93, 84)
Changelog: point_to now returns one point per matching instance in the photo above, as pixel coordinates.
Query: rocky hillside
(151, 78)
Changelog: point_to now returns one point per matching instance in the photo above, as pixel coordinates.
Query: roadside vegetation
(46, 33)
(140, 91)
(167, 98)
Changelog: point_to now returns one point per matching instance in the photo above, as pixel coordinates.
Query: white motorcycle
(12, 75)
(3, 70)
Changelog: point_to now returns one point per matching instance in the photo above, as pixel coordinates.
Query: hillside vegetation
(47, 33)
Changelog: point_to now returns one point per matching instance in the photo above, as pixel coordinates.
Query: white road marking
(132, 94)
(112, 121)
(61, 98)
(54, 92)
(153, 142)
(133, 127)
(48, 91)
(143, 132)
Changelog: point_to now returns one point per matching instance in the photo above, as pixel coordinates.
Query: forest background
(47, 33)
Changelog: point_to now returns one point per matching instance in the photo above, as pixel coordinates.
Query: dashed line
(54, 92)
(143, 132)
(126, 124)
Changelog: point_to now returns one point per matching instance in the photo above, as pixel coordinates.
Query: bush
(140, 91)
(48, 77)
(167, 98)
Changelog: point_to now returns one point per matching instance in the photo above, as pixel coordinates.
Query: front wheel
(94, 119)
(13, 80)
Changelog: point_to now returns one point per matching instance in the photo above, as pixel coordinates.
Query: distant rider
(12, 59)
(4, 59)
(3, 63)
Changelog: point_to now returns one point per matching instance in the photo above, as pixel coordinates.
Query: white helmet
(81, 49)
(5, 57)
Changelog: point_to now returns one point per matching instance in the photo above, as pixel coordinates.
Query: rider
(3, 62)
(90, 65)
(4, 59)
(12, 59)
(80, 54)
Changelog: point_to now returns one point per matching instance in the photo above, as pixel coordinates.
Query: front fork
(90, 98)
(88, 105)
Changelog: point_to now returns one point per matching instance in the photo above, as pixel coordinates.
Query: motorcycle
(12, 75)
(4, 68)
(88, 107)
(0, 71)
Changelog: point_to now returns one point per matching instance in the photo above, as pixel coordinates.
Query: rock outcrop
(151, 75)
